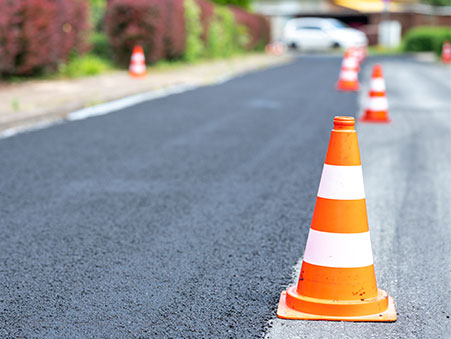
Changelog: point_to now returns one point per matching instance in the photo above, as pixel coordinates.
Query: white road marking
(102, 109)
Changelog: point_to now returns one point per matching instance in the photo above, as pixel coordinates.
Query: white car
(321, 33)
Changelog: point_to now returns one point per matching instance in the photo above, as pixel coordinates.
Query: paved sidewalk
(44, 101)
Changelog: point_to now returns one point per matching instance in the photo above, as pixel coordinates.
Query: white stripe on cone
(341, 183)
(378, 104)
(138, 57)
(348, 75)
(377, 85)
(137, 68)
(350, 62)
(343, 250)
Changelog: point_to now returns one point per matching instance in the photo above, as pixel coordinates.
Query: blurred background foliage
(88, 37)
(437, 2)
(426, 39)
(241, 3)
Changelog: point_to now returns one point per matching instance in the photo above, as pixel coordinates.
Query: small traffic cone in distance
(356, 53)
(337, 279)
(446, 52)
(137, 67)
(360, 53)
(377, 105)
(278, 49)
(275, 48)
(348, 79)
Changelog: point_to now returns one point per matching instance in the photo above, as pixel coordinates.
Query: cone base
(375, 116)
(347, 86)
(284, 311)
(134, 75)
(381, 119)
(385, 121)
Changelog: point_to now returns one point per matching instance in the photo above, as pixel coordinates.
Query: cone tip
(137, 49)
(344, 123)
(377, 71)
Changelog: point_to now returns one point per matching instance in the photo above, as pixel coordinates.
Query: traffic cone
(348, 79)
(360, 53)
(337, 279)
(275, 48)
(377, 106)
(446, 52)
(137, 67)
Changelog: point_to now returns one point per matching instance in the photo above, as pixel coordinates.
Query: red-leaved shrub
(159, 27)
(132, 22)
(174, 37)
(257, 27)
(37, 35)
(206, 13)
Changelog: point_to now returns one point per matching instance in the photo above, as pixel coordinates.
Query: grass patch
(85, 65)
(381, 50)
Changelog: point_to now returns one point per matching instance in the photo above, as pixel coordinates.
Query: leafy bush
(194, 45)
(37, 35)
(257, 28)
(171, 29)
(437, 2)
(425, 38)
(222, 38)
(100, 46)
(132, 22)
(97, 9)
(158, 26)
(86, 65)
(240, 3)
(206, 13)
(174, 33)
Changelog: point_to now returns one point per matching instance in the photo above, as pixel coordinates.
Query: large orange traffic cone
(348, 79)
(137, 63)
(377, 106)
(446, 52)
(337, 279)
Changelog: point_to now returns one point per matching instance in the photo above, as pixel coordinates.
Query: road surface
(185, 216)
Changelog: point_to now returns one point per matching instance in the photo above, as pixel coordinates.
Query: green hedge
(426, 39)
(223, 33)
(194, 48)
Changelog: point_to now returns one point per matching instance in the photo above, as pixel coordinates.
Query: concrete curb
(80, 107)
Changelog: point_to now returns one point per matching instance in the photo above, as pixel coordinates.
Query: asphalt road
(407, 173)
(183, 217)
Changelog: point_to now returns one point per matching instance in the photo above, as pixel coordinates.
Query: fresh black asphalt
(407, 174)
(181, 217)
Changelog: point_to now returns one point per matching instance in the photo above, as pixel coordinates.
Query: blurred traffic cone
(268, 48)
(348, 79)
(377, 106)
(337, 279)
(275, 48)
(137, 63)
(446, 52)
(360, 53)
(278, 49)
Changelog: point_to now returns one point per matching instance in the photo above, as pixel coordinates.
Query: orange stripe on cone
(337, 279)
(340, 216)
(332, 283)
